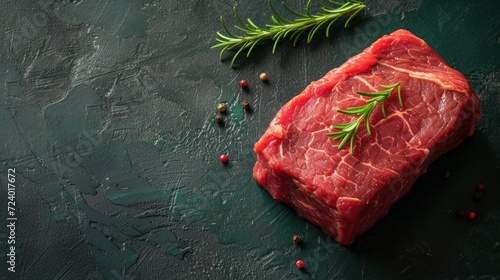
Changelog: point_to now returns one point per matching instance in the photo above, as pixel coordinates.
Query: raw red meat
(345, 194)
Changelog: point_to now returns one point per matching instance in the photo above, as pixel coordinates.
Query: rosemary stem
(280, 27)
(347, 131)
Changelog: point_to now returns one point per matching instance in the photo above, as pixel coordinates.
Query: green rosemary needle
(280, 27)
(348, 130)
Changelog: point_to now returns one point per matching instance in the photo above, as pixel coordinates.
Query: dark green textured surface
(106, 112)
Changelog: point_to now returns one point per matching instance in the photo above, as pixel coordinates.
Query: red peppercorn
(300, 264)
(223, 158)
(471, 215)
(480, 187)
(243, 83)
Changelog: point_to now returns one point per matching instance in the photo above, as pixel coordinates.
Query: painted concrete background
(109, 142)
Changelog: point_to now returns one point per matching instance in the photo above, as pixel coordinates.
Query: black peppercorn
(297, 239)
(478, 195)
(246, 105)
(219, 118)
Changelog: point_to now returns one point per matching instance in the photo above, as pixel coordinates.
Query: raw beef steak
(343, 193)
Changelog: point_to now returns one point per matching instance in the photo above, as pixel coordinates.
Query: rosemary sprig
(280, 27)
(348, 130)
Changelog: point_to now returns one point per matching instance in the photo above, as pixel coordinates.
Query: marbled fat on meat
(346, 194)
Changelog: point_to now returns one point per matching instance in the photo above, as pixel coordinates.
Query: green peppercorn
(222, 107)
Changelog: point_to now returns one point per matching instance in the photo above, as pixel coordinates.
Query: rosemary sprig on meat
(280, 27)
(348, 130)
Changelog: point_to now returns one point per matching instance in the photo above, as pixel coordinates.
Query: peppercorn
(300, 264)
(219, 118)
(460, 214)
(263, 77)
(297, 239)
(223, 158)
(480, 187)
(222, 107)
(246, 105)
(471, 215)
(243, 83)
(478, 195)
